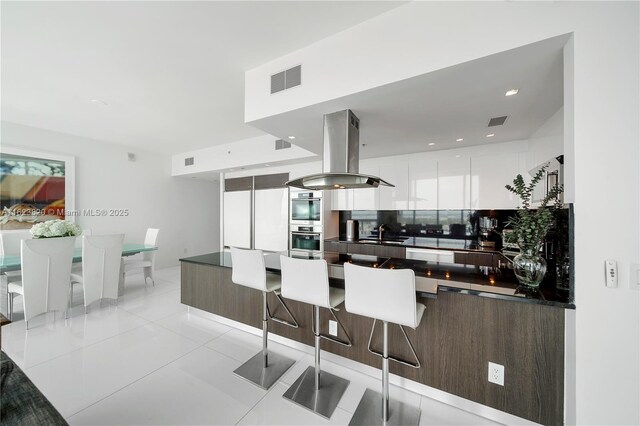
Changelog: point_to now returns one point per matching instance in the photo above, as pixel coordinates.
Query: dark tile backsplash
(465, 225)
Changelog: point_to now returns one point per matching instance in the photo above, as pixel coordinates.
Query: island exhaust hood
(340, 157)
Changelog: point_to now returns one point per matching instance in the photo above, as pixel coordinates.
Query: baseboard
(419, 388)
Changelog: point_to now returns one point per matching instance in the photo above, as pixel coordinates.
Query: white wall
(601, 126)
(250, 152)
(185, 210)
(548, 141)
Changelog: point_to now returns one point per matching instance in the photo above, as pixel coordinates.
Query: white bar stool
(389, 296)
(248, 269)
(307, 281)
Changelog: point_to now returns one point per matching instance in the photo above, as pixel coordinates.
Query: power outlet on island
(496, 373)
(333, 328)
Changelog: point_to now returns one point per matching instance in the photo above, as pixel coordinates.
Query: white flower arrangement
(55, 228)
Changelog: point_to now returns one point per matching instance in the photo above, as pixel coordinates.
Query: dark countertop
(426, 243)
(451, 278)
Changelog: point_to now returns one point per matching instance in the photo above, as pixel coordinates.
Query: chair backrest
(383, 294)
(248, 268)
(151, 239)
(101, 256)
(85, 231)
(10, 242)
(305, 280)
(46, 267)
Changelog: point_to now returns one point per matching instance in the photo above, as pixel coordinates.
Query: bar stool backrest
(10, 242)
(382, 294)
(101, 256)
(46, 268)
(305, 280)
(248, 268)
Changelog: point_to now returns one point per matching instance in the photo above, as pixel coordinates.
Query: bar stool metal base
(255, 372)
(322, 401)
(369, 412)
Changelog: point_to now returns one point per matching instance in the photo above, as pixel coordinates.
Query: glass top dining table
(12, 262)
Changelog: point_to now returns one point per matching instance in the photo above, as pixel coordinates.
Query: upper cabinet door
(367, 199)
(341, 199)
(489, 175)
(423, 182)
(454, 183)
(394, 170)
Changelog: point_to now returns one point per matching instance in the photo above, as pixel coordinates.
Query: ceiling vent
(282, 144)
(188, 161)
(497, 121)
(286, 79)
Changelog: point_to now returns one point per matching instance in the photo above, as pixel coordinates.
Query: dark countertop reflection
(466, 279)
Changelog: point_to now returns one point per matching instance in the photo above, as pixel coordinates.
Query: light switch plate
(333, 328)
(634, 276)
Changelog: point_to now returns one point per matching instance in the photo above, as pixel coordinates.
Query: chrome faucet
(380, 229)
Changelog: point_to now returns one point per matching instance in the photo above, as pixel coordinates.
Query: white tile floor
(149, 361)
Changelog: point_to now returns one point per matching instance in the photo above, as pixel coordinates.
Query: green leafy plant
(529, 225)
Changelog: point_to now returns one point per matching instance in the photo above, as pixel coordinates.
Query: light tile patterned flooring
(148, 361)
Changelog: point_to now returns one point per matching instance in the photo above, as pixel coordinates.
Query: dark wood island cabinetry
(459, 334)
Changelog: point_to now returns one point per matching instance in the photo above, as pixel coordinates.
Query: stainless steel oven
(306, 208)
(306, 238)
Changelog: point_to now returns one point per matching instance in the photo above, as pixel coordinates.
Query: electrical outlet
(496, 374)
(333, 328)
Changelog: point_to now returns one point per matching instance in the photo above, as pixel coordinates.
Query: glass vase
(529, 268)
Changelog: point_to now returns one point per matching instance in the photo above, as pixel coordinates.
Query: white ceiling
(444, 105)
(171, 73)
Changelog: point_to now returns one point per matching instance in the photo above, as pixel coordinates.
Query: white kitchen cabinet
(454, 183)
(237, 219)
(394, 170)
(341, 199)
(367, 199)
(423, 182)
(489, 175)
(271, 219)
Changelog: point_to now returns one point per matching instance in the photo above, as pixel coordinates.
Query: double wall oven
(306, 222)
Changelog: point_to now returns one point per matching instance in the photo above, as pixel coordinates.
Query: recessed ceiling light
(292, 137)
(230, 170)
(267, 165)
(459, 140)
(512, 92)
(457, 156)
(490, 135)
(432, 143)
(98, 102)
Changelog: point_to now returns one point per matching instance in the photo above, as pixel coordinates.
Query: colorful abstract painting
(31, 190)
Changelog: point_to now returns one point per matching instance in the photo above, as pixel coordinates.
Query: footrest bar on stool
(415, 364)
(293, 324)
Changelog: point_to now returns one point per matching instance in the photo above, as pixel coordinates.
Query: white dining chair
(10, 246)
(46, 267)
(147, 261)
(101, 256)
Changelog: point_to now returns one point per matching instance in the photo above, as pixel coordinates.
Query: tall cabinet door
(454, 183)
(489, 175)
(271, 219)
(237, 219)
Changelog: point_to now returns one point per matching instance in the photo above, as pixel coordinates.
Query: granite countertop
(448, 277)
(426, 243)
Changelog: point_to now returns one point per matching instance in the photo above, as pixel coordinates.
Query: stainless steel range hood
(340, 157)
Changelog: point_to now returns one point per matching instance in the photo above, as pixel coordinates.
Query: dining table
(13, 263)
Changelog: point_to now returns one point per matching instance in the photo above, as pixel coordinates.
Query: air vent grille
(286, 79)
(188, 161)
(497, 121)
(282, 144)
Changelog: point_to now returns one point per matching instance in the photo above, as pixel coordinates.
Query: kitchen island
(462, 330)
